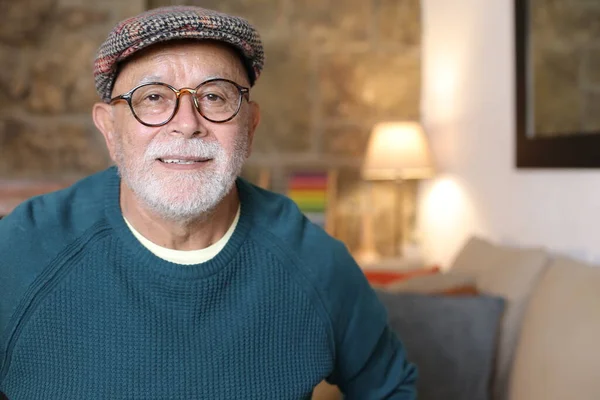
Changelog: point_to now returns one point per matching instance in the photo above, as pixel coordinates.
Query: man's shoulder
(43, 225)
(60, 214)
(323, 262)
(40, 229)
(278, 218)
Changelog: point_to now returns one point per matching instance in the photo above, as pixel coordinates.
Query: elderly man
(168, 277)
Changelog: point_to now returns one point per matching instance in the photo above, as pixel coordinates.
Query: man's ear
(253, 124)
(102, 114)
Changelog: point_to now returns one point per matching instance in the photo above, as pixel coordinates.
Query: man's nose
(187, 120)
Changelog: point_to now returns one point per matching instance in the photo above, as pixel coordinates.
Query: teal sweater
(87, 312)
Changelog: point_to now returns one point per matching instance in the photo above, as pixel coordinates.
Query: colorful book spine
(309, 191)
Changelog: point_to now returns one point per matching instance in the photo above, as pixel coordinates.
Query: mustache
(195, 148)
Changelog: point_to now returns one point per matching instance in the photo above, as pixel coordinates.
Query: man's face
(183, 169)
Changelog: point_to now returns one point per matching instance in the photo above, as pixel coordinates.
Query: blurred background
(333, 70)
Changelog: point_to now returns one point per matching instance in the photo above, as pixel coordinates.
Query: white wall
(468, 111)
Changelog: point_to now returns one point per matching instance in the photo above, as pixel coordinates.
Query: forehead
(177, 58)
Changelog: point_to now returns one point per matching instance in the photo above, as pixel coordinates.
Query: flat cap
(170, 23)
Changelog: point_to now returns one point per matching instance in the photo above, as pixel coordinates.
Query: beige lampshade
(397, 150)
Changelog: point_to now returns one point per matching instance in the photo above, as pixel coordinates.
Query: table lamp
(396, 151)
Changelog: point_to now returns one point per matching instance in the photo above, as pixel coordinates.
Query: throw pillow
(452, 340)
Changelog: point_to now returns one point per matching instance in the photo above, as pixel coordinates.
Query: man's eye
(213, 97)
(153, 97)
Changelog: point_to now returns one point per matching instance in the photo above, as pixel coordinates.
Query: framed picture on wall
(557, 84)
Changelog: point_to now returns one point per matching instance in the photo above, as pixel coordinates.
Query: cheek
(136, 139)
(131, 135)
(235, 142)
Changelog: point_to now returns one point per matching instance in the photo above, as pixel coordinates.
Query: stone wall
(334, 68)
(566, 65)
(47, 49)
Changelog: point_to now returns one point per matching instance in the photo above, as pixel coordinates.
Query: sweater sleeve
(370, 360)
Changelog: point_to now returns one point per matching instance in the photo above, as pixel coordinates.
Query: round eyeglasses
(156, 103)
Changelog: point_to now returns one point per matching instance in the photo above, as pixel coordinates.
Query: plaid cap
(169, 23)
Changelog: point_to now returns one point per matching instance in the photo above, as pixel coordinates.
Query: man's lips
(182, 160)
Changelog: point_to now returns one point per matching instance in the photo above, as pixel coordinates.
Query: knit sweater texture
(87, 312)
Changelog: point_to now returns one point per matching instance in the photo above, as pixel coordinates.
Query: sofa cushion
(557, 356)
(510, 273)
(446, 283)
(452, 340)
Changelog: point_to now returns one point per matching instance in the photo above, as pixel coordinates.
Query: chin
(177, 208)
(183, 199)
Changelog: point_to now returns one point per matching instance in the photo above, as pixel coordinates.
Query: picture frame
(563, 150)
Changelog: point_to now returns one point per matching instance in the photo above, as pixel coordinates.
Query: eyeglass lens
(155, 103)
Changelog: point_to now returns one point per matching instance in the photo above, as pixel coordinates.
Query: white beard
(186, 195)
